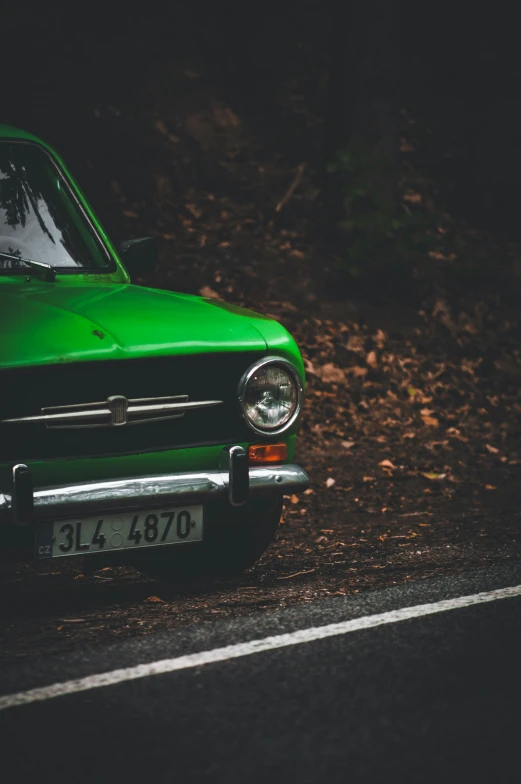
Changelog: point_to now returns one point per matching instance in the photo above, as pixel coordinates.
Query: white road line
(248, 648)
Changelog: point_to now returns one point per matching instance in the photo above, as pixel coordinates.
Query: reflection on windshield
(39, 218)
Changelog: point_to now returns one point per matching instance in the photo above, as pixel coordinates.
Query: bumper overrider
(239, 482)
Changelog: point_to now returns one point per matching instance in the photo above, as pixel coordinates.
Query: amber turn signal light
(267, 453)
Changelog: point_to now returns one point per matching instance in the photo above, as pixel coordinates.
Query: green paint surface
(62, 472)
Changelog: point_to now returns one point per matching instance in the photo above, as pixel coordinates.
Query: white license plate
(123, 531)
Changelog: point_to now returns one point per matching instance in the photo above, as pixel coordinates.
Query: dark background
(157, 103)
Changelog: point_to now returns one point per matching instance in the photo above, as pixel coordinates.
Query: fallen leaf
(433, 475)
(348, 444)
(321, 539)
(294, 499)
(309, 367)
(490, 487)
(453, 432)
(430, 421)
(355, 343)
(380, 338)
(330, 481)
(193, 210)
(491, 449)
(154, 600)
(331, 374)
(209, 293)
(309, 491)
(369, 479)
(161, 127)
(386, 464)
(371, 359)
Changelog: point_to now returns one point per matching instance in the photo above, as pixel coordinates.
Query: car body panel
(50, 322)
(47, 473)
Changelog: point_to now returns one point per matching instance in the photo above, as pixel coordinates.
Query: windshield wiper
(50, 272)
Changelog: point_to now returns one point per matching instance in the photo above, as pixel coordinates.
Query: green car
(137, 426)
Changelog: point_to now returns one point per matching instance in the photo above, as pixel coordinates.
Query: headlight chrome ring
(298, 387)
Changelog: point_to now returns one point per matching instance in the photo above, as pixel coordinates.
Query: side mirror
(140, 256)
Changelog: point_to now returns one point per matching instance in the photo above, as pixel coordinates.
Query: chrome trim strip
(149, 491)
(62, 417)
(87, 411)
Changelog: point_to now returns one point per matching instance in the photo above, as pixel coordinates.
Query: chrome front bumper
(149, 491)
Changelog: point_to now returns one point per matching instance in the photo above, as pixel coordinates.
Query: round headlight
(271, 395)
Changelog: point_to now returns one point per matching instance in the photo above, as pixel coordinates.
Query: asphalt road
(432, 697)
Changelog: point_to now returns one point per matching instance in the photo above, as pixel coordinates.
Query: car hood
(46, 323)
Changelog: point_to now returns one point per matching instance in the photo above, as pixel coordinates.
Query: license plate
(124, 531)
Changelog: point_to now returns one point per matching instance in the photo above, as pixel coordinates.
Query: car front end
(131, 419)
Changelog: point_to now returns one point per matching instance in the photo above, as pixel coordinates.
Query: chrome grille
(26, 392)
(115, 411)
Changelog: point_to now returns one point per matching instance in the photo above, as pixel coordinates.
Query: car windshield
(40, 218)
